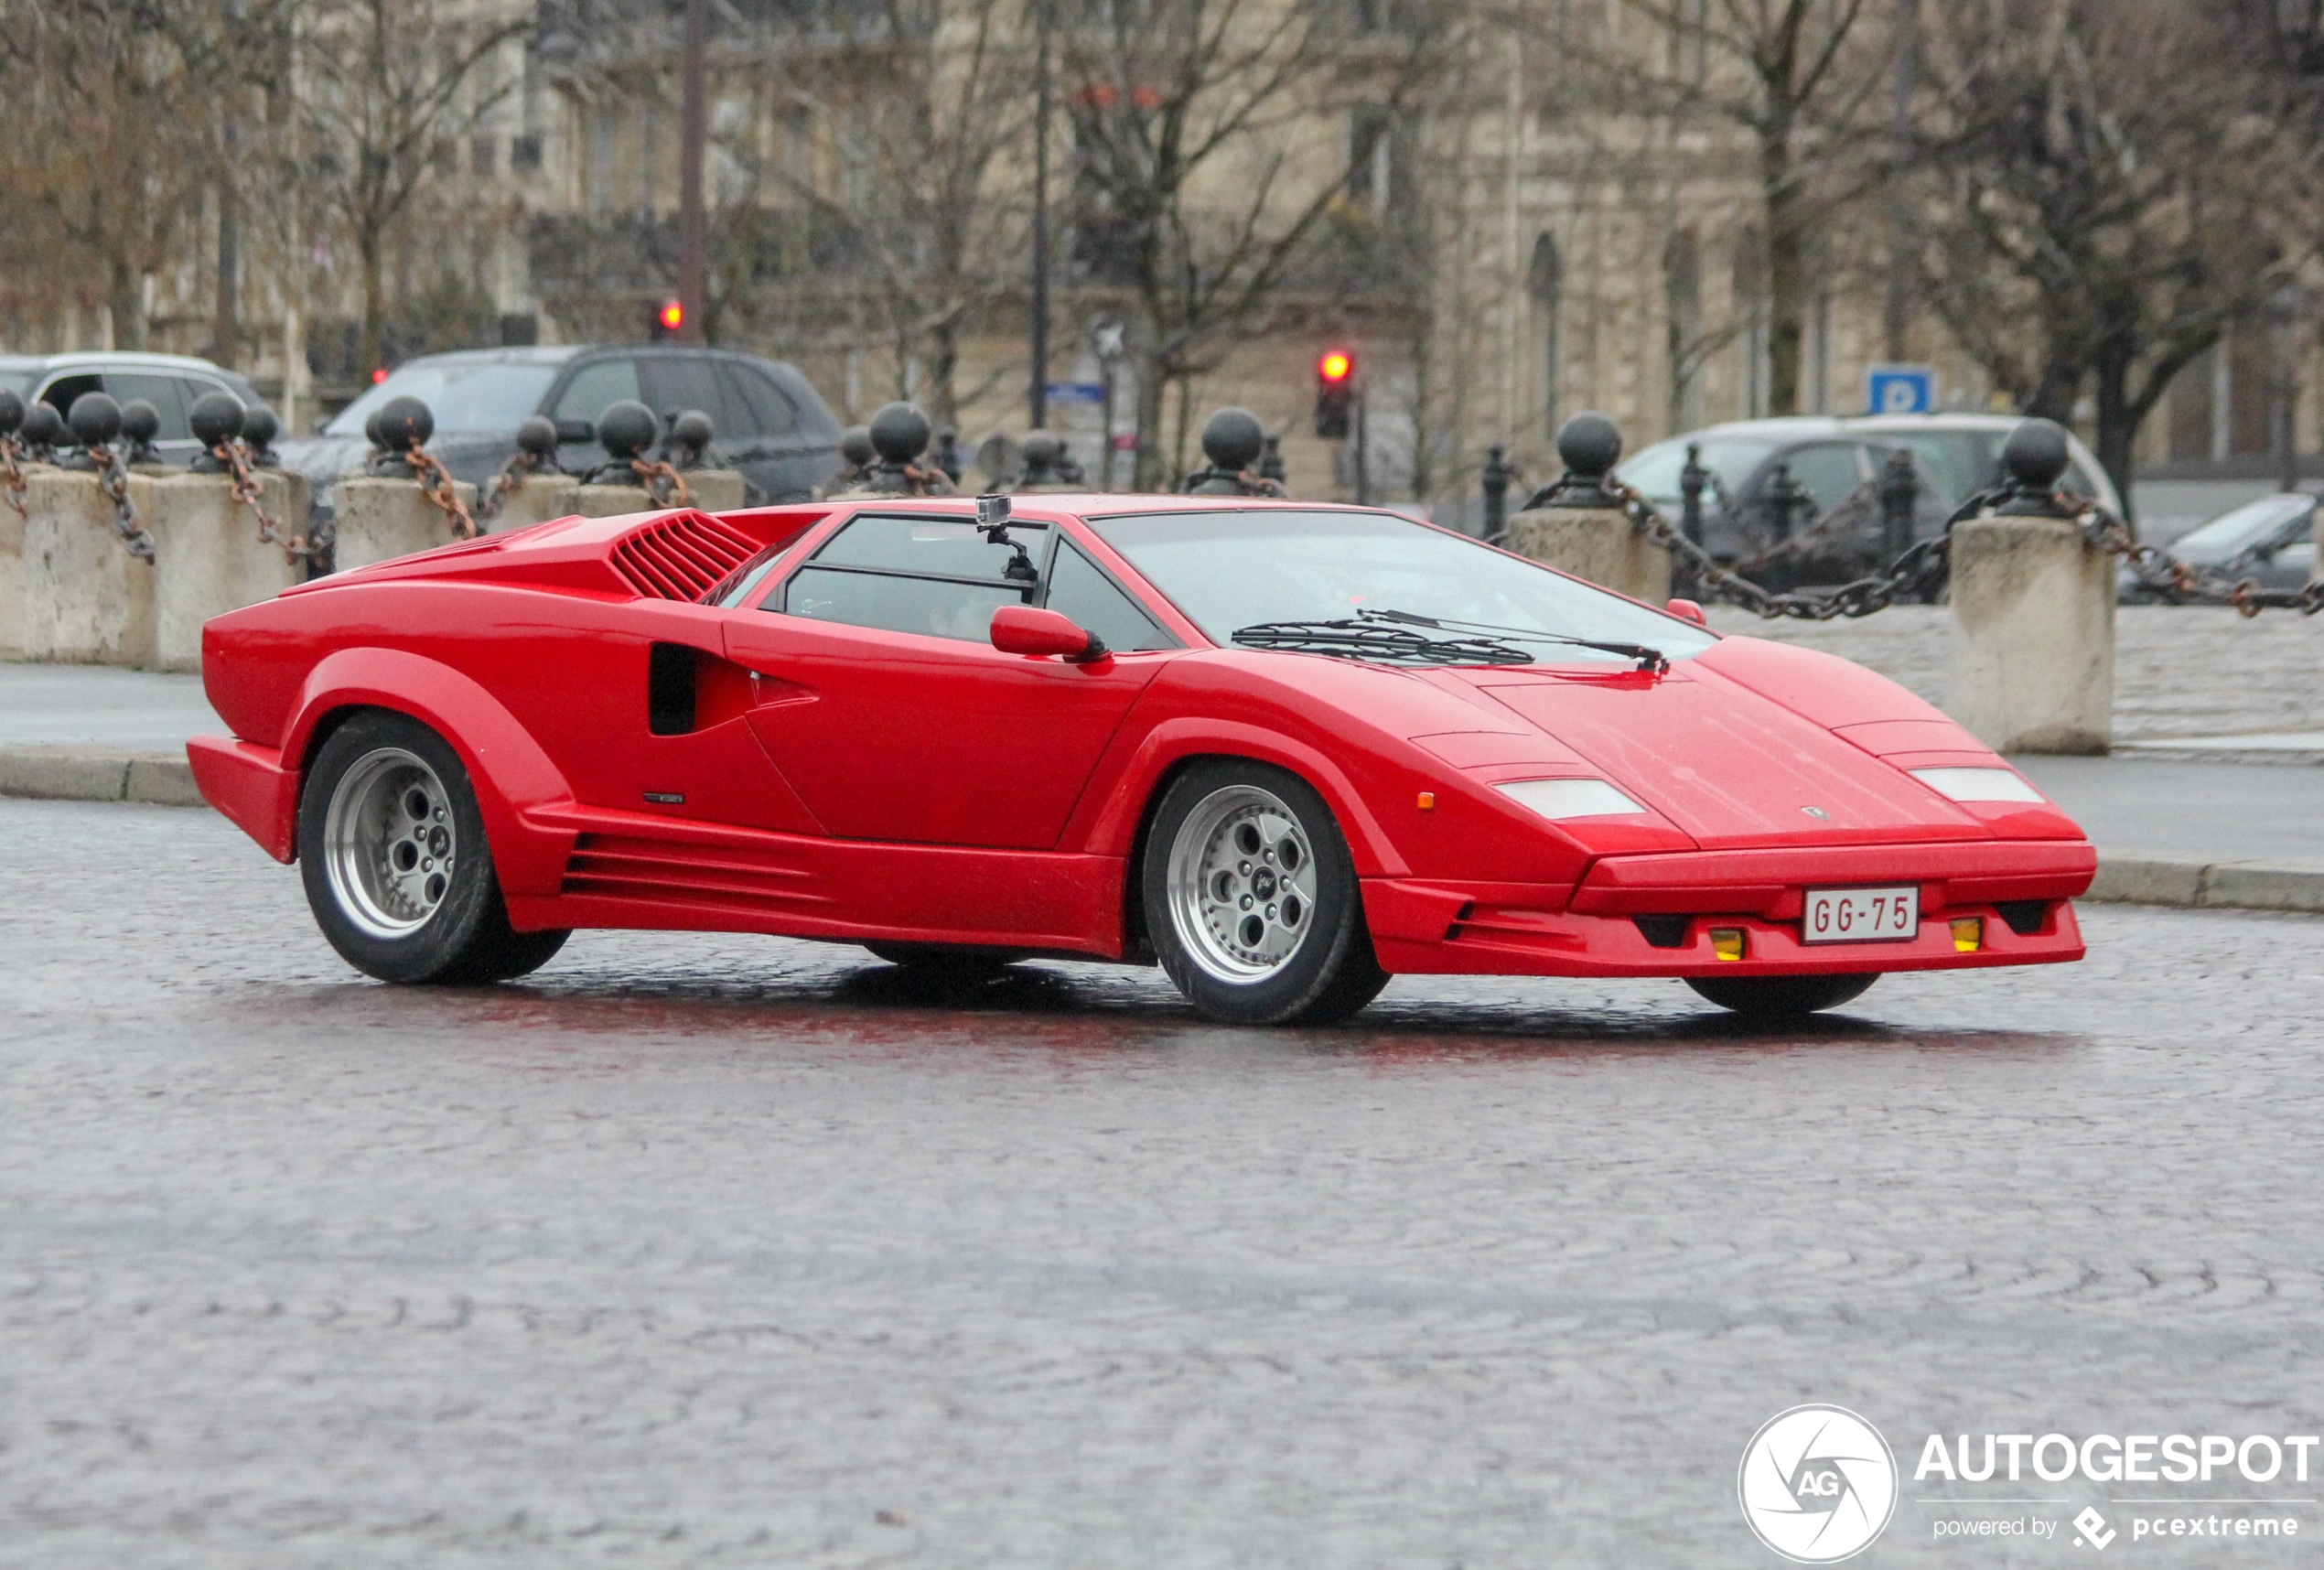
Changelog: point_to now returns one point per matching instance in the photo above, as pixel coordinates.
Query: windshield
(1653, 473)
(1233, 570)
(2244, 527)
(1963, 461)
(463, 396)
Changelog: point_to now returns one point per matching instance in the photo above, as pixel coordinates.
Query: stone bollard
(12, 524)
(208, 559)
(87, 600)
(2032, 666)
(378, 519)
(612, 501)
(714, 489)
(1574, 525)
(541, 498)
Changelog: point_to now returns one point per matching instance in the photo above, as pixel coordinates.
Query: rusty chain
(112, 483)
(1915, 572)
(12, 478)
(505, 484)
(234, 453)
(435, 484)
(2178, 581)
(665, 487)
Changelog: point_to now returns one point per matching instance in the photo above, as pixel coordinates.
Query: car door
(586, 393)
(879, 696)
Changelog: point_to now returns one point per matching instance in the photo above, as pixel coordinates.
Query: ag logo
(1818, 1484)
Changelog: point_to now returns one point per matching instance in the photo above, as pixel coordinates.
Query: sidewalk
(2179, 830)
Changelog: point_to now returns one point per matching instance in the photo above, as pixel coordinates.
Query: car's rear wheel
(1777, 998)
(391, 846)
(946, 959)
(1251, 901)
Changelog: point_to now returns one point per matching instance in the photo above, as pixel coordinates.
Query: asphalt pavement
(704, 1251)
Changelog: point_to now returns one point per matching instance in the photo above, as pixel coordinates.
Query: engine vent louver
(681, 557)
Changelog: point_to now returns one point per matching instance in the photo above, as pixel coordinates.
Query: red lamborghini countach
(1283, 748)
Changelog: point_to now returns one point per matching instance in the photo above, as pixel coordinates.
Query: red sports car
(1286, 749)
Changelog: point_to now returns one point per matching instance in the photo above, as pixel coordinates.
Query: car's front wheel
(1251, 901)
(391, 845)
(1779, 998)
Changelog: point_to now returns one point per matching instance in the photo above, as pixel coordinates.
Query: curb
(2126, 878)
(98, 774)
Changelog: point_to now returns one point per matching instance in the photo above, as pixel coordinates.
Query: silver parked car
(2271, 542)
(170, 382)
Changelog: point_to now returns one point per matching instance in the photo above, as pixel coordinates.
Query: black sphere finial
(899, 432)
(537, 435)
(626, 429)
(405, 423)
(95, 419)
(1232, 438)
(1590, 444)
(215, 417)
(855, 446)
(2035, 455)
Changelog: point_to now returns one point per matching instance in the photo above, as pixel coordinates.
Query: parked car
(1963, 450)
(1834, 458)
(1829, 462)
(170, 382)
(770, 424)
(1173, 728)
(2271, 541)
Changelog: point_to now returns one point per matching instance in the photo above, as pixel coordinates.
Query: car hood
(1757, 745)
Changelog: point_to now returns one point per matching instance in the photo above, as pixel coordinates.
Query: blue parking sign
(1901, 389)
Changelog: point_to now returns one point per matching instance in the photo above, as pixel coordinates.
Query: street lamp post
(1041, 389)
(691, 131)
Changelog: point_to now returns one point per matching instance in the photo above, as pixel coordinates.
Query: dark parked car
(2271, 541)
(769, 422)
(170, 382)
(1834, 467)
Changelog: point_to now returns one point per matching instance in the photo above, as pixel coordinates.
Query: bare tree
(1211, 142)
(2102, 186)
(385, 93)
(1799, 80)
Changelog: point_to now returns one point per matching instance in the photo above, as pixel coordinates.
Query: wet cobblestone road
(699, 1250)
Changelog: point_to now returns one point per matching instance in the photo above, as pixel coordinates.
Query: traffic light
(1334, 394)
(669, 319)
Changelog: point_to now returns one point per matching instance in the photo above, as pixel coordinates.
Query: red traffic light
(672, 314)
(1336, 365)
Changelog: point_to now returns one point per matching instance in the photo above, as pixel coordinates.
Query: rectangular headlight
(1560, 799)
(1977, 784)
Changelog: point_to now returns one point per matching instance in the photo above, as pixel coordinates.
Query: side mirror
(573, 431)
(1687, 611)
(1026, 629)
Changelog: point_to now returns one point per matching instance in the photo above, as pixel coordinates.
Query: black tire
(1780, 997)
(946, 959)
(380, 922)
(1328, 972)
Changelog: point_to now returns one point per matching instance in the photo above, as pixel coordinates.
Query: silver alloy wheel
(389, 838)
(1241, 881)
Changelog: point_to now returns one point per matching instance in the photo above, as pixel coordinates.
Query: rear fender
(507, 767)
(1113, 829)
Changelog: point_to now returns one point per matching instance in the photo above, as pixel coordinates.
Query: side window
(674, 383)
(169, 395)
(596, 385)
(1829, 471)
(1091, 601)
(929, 576)
(773, 413)
(61, 393)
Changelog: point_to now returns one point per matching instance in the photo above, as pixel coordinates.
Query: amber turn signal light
(1427, 802)
(1968, 934)
(1727, 943)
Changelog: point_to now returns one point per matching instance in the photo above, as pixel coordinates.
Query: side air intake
(683, 556)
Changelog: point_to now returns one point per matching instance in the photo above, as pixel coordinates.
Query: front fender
(1111, 825)
(508, 768)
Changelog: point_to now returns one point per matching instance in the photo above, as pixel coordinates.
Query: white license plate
(1861, 915)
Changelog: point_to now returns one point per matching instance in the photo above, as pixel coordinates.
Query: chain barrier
(12, 482)
(1916, 574)
(2182, 582)
(435, 484)
(113, 480)
(505, 484)
(665, 487)
(235, 455)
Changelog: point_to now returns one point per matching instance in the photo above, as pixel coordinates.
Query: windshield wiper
(1372, 639)
(1648, 657)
